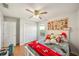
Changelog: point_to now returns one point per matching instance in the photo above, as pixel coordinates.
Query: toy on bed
(48, 38)
(53, 37)
(61, 38)
(64, 36)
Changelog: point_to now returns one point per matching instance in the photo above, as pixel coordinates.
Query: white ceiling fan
(36, 13)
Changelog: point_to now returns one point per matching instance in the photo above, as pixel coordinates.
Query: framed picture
(58, 24)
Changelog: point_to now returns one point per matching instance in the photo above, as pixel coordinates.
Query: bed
(35, 48)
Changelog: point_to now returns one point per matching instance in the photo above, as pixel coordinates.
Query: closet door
(30, 32)
(9, 33)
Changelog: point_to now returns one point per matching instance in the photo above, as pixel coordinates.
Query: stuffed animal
(52, 36)
(64, 34)
(61, 38)
(48, 38)
(58, 38)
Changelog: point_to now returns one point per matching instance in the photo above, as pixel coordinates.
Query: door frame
(17, 20)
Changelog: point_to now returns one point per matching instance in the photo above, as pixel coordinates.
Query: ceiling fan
(36, 13)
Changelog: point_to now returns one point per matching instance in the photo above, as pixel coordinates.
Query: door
(30, 32)
(10, 31)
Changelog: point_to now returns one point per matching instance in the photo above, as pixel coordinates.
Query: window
(42, 27)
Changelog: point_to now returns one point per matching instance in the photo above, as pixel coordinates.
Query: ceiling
(53, 9)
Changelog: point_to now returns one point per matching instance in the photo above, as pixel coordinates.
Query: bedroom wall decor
(59, 24)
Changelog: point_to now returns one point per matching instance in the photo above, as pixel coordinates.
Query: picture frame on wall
(58, 24)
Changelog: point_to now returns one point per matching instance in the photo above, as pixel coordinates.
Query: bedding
(63, 50)
(42, 49)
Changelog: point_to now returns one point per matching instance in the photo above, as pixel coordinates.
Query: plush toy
(61, 38)
(48, 38)
(52, 36)
(58, 39)
(64, 34)
(64, 37)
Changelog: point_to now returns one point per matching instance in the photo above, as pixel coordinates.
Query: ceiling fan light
(36, 16)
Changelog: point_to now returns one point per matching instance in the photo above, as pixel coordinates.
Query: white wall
(0, 30)
(28, 31)
(78, 29)
(73, 23)
(1, 18)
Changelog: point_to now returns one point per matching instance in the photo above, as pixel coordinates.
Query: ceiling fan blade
(40, 17)
(43, 12)
(30, 17)
(29, 10)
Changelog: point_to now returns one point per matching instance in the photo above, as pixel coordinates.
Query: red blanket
(42, 49)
